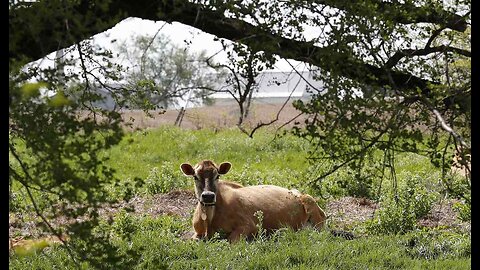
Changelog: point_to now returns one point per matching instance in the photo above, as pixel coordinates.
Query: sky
(178, 34)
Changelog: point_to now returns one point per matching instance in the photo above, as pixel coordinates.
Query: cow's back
(280, 207)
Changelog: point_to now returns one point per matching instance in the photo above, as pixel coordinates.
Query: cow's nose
(208, 197)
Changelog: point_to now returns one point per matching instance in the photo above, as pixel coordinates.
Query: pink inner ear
(187, 169)
(224, 168)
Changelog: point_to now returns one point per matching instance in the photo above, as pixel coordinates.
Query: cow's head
(206, 175)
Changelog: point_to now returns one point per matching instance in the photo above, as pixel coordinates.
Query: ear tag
(203, 216)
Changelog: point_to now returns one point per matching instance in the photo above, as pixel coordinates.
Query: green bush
(464, 211)
(124, 225)
(164, 179)
(400, 211)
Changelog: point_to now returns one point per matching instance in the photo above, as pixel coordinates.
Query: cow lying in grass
(232, 208)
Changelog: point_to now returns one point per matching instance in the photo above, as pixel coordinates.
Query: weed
(124, 225)
(261, 233)
(164, 179)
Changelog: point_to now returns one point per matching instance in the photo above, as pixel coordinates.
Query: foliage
(123, 225)
(349, 118)
(56, 137)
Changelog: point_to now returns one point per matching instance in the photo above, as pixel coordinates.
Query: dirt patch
(442, 214)
(345, 212)
(178, 203)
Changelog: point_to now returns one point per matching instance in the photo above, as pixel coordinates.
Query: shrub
(401, 211)
(164, 179)
(124, 225)
(464, 211)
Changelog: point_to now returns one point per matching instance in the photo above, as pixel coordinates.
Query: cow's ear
(187, 169)
(224, 168)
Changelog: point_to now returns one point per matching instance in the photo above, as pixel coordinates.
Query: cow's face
(206, 175)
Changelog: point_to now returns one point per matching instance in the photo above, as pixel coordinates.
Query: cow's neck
(207, 213)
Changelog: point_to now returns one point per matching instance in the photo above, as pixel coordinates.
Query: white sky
(178, 34)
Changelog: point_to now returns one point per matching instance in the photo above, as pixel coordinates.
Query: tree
(160, 72)
(240, 74)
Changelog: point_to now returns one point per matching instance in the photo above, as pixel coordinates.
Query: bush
(464, 211)
(400, 212)
(124, 225)
(164, 179)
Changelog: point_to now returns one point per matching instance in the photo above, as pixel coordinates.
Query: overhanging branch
(404, 13)
(45, 38)
(425, 51)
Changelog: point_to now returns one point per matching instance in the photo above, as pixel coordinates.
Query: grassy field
(155, 242)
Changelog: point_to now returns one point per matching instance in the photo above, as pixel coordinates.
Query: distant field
(215, 116)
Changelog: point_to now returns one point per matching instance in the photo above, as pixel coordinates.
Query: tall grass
(158, 245)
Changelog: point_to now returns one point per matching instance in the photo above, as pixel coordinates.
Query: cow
(233, 208)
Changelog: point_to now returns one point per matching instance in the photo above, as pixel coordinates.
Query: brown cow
(231, 207)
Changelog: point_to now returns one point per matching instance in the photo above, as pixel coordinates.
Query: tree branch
(447, 128)
(425, 51)
(37, 210)
(49, 32)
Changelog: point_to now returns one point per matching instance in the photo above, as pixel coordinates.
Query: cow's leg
(315, 214)
(197, 236)
(200, 228)
(238, 232)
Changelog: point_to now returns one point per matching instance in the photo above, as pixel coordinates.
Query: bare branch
(447, 128)
(261, 124)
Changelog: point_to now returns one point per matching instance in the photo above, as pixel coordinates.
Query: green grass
(154, 157)
(260, 160)
(158, 246)
(140, 151)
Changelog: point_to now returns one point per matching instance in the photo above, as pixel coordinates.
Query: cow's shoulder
(229, 184)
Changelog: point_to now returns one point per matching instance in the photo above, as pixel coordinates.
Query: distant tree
(239, 76)
(160, 72)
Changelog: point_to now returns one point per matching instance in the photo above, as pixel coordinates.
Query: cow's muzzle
(207, 198)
